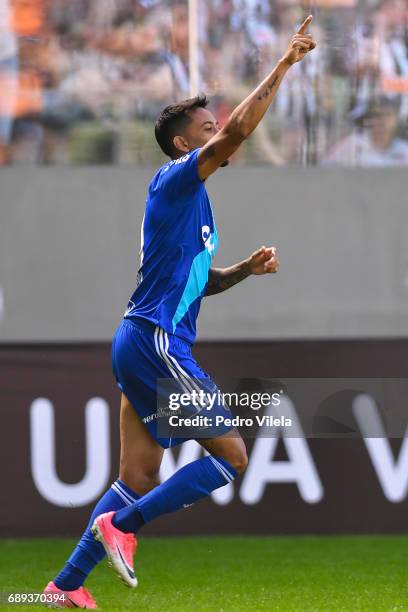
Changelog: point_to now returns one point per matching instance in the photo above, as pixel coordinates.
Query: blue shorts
(142, 356)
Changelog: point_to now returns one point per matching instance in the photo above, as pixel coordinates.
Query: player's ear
(181, 144)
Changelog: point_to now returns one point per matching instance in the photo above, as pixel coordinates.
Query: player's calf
(230, 447)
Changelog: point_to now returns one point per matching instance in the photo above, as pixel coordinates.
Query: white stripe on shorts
(183, 373)
(160, 351)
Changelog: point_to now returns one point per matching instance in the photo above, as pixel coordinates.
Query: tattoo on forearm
(269, 89)
(221, 279)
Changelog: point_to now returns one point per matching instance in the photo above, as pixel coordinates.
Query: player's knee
(237, 458)
(232, 449)
(239, 461)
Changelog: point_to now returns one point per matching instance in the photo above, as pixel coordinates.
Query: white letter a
(300, 468)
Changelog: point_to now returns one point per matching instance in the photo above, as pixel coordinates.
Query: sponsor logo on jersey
(176, 162)
(208, 239)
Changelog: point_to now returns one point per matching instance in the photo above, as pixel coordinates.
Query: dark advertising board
(342, 474)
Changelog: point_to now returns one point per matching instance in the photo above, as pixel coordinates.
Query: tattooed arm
(262, 261)
(244, 119)
(220, 279)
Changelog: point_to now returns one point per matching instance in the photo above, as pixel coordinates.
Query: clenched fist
(263, 261)
(301, 44)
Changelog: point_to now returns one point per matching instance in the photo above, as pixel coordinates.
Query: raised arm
(244, 119)
(262, 261)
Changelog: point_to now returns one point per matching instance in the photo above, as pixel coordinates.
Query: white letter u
(43, 454)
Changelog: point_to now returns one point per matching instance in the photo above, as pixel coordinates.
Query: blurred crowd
(82, 81)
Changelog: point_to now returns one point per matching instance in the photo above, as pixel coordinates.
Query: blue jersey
(178, 241)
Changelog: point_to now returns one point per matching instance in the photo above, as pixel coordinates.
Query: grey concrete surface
(69, 242)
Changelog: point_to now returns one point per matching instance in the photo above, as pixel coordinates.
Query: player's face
(202, 127)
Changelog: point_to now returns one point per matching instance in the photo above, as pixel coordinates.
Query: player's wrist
(247, 266)
(285, 63)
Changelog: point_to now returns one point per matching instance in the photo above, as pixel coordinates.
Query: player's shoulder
(184, 166)
(179, 164)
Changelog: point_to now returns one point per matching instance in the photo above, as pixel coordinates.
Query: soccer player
(154, 340)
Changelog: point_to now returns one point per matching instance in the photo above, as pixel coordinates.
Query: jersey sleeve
(182, 176)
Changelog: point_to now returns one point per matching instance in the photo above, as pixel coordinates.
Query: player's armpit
(217, 151)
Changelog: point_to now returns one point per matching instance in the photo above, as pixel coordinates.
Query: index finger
(305, 25)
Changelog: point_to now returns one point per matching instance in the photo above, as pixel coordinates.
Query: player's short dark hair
(173, 119)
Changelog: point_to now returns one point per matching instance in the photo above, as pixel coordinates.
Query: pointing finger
(305, 25)
(302, 37)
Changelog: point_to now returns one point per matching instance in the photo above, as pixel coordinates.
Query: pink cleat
(80, 598)
(119, 546)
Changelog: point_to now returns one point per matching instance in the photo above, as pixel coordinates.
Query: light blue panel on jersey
(179, 227)
(197, 278)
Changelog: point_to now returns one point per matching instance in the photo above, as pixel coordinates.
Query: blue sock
(189, 484)
(88, 551)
